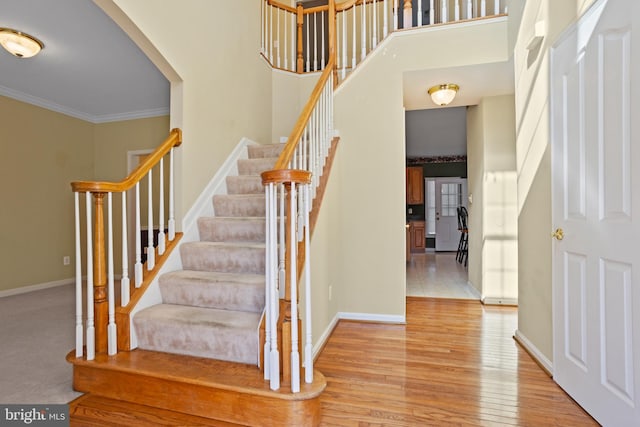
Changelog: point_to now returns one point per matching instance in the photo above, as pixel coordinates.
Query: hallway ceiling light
(444, 93)
(19, 44)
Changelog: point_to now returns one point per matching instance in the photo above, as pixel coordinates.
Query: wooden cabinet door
(415, 185)
(417, 229)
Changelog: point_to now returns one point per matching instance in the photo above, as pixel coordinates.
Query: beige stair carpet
(212, 308)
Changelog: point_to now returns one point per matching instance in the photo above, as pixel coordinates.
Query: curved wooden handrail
(173, 140)
(280, 176)
(281, 6)
(301, 123)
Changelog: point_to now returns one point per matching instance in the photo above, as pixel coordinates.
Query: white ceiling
(89, 68)
(475, 81)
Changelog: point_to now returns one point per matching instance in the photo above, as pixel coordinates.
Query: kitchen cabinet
(415, 185)
(417, 239)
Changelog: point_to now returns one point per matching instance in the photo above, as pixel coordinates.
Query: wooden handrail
(173, 140)
(301, 123)
(281, 6)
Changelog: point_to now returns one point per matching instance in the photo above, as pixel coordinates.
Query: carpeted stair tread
(264, 150)
(224, 291)
(244, 184)
(231, 229)
(223, 257)
(203, 332)
(239, 205)
(256, 166)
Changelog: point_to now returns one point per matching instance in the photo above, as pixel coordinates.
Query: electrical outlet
(66, 260)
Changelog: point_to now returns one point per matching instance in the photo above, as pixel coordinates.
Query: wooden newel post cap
(281, 176)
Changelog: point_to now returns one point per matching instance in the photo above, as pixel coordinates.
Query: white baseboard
(499, 301)
(37, 287)
(533, 351)
(324, 337)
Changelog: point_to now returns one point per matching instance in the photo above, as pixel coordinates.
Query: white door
(595, 96)
(450, 194)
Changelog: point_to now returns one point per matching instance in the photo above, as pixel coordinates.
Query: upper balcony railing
(296, 38)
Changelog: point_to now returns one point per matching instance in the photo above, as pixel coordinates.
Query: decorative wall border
(436, 159)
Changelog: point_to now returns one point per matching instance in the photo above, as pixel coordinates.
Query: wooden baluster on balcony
(99, 275)
(300, 23)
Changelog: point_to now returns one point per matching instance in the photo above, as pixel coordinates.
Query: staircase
(212, 308)
(198, 350)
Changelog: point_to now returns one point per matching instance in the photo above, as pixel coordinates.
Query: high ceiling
(89, 68)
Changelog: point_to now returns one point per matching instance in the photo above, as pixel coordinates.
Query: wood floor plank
(455, 362)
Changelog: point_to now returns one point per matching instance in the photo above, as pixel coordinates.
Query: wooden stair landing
(207, 388)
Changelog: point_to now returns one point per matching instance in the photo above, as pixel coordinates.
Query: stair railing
(296, 39)
(97, 332)
(290, 189)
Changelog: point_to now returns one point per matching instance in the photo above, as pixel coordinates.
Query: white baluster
(125, 282)
(363, 41)
(79, 326)
(419, 14)
(385, 19)
(271, 35)
(457, 10)
(277, 41)
(374, 41)
(344, 44)
(407, 14)
(315, 41)
(172, 218)
(308, 51)
(293, 42)
(483, 8)
(395, 14)
(151, 252)
(295, 356)
(138, 265)
(445, 12)
(353, 38)
(284, 44)
(322, 63)
(432, 12)
(274, 360)
(268, 279)
(112, 347)
(281, 242)
(161, 236)
(262, 26)
(496, 7)
(308, 349)
(91, 329)
(469, 9)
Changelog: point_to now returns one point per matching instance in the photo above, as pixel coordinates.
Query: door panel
(450, 193)
(596, 196)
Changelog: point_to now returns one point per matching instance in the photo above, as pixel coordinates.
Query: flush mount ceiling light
(19, 44)
(443, 94)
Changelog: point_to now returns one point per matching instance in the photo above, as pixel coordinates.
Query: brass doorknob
(558, 234)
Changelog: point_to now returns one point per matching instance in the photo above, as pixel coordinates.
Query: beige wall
(493, 261)
(534, 166)
(225, 84)
(475, 174)
(368, 261)
(44, 152)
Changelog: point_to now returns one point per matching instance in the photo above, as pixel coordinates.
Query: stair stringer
(201, 207)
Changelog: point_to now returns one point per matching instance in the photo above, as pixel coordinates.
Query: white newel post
(79, 326)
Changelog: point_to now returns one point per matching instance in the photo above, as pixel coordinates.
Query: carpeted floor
(36, 333)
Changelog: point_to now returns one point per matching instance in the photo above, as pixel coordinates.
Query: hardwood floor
(455, 363)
